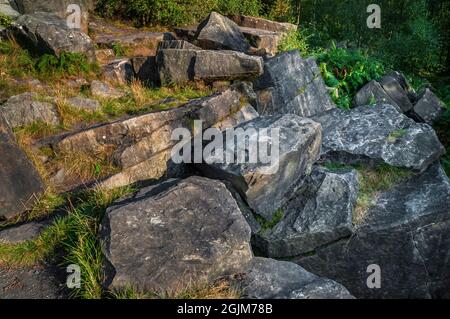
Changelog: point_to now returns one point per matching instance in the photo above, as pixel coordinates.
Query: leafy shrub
(295, 40)
(5, 21)
(66, 64)
(174, 12)
(346, 71)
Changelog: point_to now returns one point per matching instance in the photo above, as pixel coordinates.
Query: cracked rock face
(320, 212)
(265, 184)
(272, 279)
(428, 108)
(292, 85)
(378, 134)
(406, 233)
(171, 235)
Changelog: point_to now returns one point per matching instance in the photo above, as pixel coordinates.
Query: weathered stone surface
(6, 9)
(105, 56)
(47, 33)
(272, 279)
(178, 66)
(396, 91)
(24, 232)
(177, 44)
(142, 145)
(102, 90)
(118, 71)
(266, 42)
(25, 109)
(373, 93)
(245, 114)
(378, 134)
(292, 85)
(428, 108)
(84, 103)
(146, 70)
(264, 185)
(220, 33)
(262, 24)
(406, 233)
(20, 183)
(59, 8)
(320, 212)
(38, 282)
(171, 235)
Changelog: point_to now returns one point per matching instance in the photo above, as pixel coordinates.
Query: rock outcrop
(265, 184)
(161, 247)
(20, 184)
(428, 108)
(292, 85)
(378, 134)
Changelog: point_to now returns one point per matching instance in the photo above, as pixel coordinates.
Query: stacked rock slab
(44, 32)
(319, 213)
(428, 108)
(292, 85)
(264, 184)
(378, 134)
(405, 233)
(165, 248)
(20, 184)
(141, 146)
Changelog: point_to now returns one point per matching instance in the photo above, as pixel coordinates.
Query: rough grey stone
(264, 185)
(262, 24)
(319, 213)
(47, 33)
(20, 184)
(428, 108)
(292, 85)
(84, 103)
(24, 232)
(102, 90)
(6, 9)
(25, 109)
(220, 33)
(272, 279)
(373, 93)
(396, 91)
(119, 71)
(177, 44)
(164, 241)
(146, 70)
(406, 233)
(378, 134)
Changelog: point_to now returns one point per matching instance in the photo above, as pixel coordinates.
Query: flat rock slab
(26, 108)
(272, 279)
(264, 185)
(45, 32)
(20, 184)
(82, 103)
(262, 24)
(39, 282)
(220, 33)
(170, 236)
(22, 233)
(266, 41)
(373, 93)
(378, 134)
(319, 213)
(406, 233)
(103, 90)
(118, 71)
(292, 85)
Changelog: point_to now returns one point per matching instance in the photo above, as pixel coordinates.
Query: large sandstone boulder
(264, 185)
(320, 212)
(60, 8)
(25, 109)
(47, 33)
(292, 85)
(171, 236)
(272, 279)
(378, 134)
(20, 184)
(428, 108)
(406, 233)
(220, 33)
(178, 66)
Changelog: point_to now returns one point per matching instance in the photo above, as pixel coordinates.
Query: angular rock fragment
(428, 108)
(83, 104)
(119, 71)
(146, 70)
(272, 279)
(292, 85)
(203, 237)
(406, 233)
(220, 33)
(102, 90)
(396, 91)
(25, 109)
(378, 134)
(20, 184)
(177, 44)
(319, 213)
(7, 10)
(262, 24)
(265, 184)
(373, 93)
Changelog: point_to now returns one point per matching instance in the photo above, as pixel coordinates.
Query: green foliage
(346, 71)
(5, 21)
(295, 40)
(174, 12)
(67, 64)
(269, 224)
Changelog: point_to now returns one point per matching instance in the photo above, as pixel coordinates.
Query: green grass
(269, 224)
(372, 181)
(5, 21)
